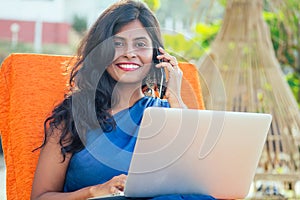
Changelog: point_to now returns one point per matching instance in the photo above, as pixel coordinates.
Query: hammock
(241, 73)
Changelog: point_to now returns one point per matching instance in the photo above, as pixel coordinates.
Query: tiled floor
(2, 178)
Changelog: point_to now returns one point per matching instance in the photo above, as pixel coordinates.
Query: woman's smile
(133, 54)
(128, 66)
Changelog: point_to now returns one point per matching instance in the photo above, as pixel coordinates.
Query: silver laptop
(186, 151)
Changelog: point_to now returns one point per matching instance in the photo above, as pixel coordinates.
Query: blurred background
(258, 37)
(56, 27)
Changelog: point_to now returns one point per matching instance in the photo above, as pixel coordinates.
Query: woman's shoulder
(155, 101)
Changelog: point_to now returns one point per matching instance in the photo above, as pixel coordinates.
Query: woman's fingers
(169, 62)
(174, 73)
(119, 181)
(167, 57)
(113, 186)
(173, 91)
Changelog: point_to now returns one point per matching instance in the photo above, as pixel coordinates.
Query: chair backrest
(30, 86)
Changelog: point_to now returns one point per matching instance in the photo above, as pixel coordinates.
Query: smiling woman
(133, 54)
(91, 134)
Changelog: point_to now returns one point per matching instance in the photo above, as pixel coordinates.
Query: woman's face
(133, 54)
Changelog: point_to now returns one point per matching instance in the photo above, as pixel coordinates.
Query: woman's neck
(127, 94)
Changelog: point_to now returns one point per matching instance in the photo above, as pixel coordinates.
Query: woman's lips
(128, 67)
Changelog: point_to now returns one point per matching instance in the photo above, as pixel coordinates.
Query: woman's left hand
(173, 91)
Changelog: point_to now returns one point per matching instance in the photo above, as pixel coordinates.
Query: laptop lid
(187, 151)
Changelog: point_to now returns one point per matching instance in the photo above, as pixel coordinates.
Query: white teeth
(129, 66)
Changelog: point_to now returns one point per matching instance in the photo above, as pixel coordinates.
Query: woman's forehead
(134, 29)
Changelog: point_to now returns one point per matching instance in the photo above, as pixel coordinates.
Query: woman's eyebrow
(118, 37)
(141, 38)
(137, 38)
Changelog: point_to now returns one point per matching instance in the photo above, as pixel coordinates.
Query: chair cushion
(30, 86)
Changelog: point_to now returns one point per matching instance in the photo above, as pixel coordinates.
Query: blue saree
(108, 154)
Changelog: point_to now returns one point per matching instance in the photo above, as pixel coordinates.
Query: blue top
(108, 154)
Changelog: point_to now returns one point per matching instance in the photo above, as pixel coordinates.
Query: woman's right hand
(50, 175)
(113, 186)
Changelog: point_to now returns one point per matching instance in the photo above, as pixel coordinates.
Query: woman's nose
(130, 52)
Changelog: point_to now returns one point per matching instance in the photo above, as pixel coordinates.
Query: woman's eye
(118, 44)
(141, 44)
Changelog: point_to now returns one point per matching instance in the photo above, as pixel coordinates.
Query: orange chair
(30, 86)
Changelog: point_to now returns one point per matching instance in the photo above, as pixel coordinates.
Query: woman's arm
(50, 173)
(50, 176)
(173, 91)
(176, 102)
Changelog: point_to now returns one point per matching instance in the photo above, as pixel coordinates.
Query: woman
(90, 136)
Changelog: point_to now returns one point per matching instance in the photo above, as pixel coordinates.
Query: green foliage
(294, 83)
(79, 24)
(192, 48)
(223, 2)
(183, 48)
(205, 33)
(283, 26)
(154, 5)
(280, 38)
(6, 49)
(21, 47)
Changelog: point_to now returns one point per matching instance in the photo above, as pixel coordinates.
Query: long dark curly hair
(89, 100)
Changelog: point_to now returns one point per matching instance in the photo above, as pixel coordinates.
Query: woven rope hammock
(241, 73)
